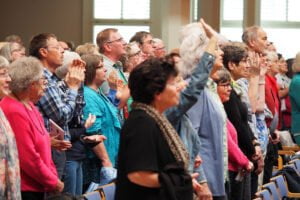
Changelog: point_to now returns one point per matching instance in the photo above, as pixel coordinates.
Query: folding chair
(272, 189)
(264, 195)
(95, 195)
(283, 188)
(107, 191)
(296, 163)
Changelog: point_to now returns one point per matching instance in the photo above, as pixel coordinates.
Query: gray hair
(3, 62)
(250, 33)
(296, 63)
(223, 76)
(8, 48)
(271, 55)
(193, 41)
(23, 72)
(87, 48)
(69, 56)
(157, 41)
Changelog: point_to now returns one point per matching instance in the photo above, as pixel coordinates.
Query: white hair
(193, 42)
(69, 56)
(271, 55)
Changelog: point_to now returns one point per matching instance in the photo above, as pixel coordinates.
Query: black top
(142, 148)
(236, 112)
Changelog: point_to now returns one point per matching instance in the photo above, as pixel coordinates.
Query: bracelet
(261, 82)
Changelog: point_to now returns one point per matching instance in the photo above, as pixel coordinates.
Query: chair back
(107, 191)
(264, 195)
(272, 189)
(95, 195)
(281, 185)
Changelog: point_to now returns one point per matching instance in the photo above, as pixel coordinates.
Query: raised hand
(90, 121)
(75, 75)
(210, 32)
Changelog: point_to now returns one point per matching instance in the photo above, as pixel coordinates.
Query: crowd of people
(204, 121)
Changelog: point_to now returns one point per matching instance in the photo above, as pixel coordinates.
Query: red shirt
(38, 173)
(236, 158)
(272, 98)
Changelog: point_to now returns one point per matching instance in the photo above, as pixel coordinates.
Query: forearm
(144, 178)
(102, 154)
(261, 96)
(253, 91)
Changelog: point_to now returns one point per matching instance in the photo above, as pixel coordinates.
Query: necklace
(40, 128)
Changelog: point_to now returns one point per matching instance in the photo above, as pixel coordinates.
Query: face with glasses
(224, 90)
(100, 76)
(52, 53)
(38, 88)
(159, 50)
(240, 69)
(116, 45)
(4, 82)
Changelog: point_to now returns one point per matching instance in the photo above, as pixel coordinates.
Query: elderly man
(145, 41)
(112, 46)
(56, 104)
(257, 41)
(159, 48)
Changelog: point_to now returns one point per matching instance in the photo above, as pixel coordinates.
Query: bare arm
(144, 178)
(101, 153)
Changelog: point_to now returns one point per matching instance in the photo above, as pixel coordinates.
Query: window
(128, 16)
(194, 10)
(281, 20)
(232, 15)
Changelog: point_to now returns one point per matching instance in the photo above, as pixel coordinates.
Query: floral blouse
(9, 162)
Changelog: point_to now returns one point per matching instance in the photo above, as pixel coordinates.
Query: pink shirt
(38, 173)
(236, 158)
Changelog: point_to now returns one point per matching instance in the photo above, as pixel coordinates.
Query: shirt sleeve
(189, 96)
(54, 107)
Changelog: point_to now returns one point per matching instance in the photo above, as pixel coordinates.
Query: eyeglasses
(161, 48)
(99, 66)
(43, 80)
(117, 40)
(57, 48)
(4, 74)
(225, 85)
(136, 54)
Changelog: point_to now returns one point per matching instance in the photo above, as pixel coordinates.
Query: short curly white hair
(193, 41)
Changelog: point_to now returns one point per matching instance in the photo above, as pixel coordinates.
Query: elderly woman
(107, 123)
(149, 138)
(134, 56)
(38, 173)
(207, 115)
(12, 51)
(295, 99)
(9, 164)
(238, 163)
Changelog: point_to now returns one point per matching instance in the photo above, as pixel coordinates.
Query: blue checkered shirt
(57, 104)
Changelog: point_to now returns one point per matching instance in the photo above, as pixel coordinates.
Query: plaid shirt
(57, 104)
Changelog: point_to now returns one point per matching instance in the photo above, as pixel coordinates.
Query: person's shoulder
(140, 117)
